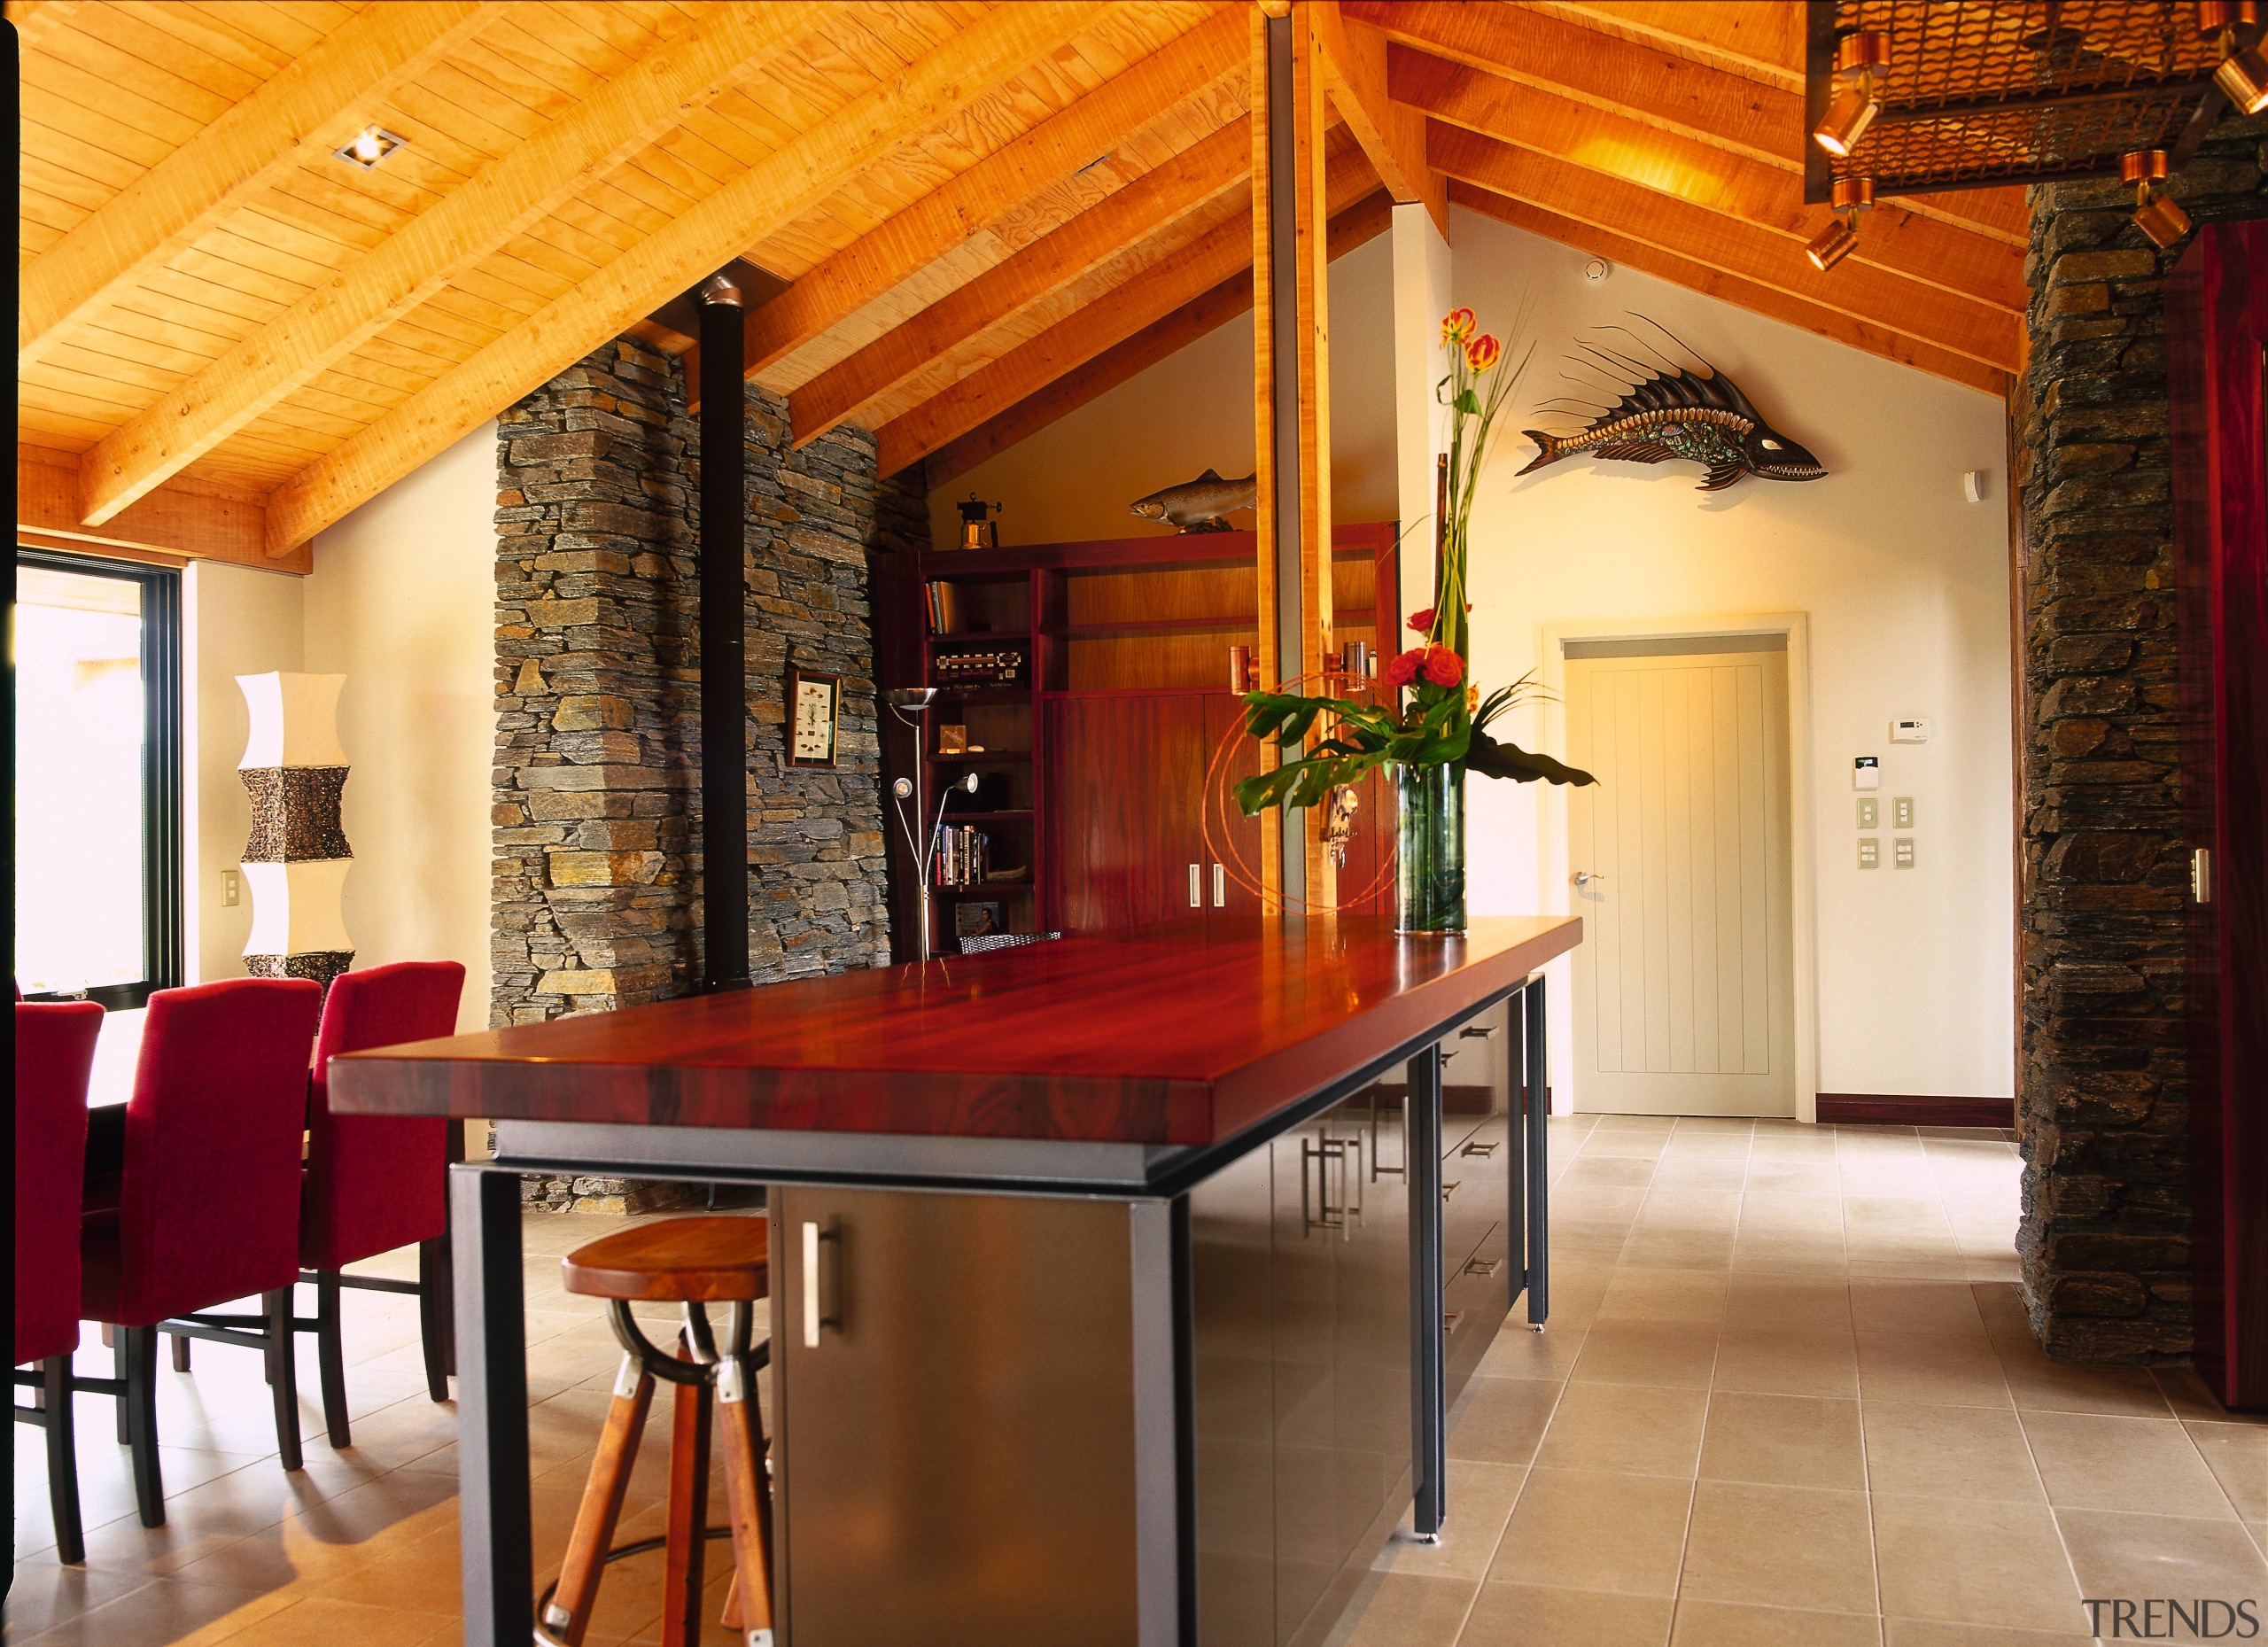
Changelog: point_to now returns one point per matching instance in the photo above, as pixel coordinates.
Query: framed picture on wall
(814, 704)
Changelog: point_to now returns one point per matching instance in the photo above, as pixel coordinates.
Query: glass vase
(1429, 874)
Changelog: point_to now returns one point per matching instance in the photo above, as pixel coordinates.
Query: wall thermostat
(1915, 731)
(1866, 773)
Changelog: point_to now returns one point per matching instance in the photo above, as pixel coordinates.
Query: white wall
(1074, 479)
(402, 602)
(1906, 587)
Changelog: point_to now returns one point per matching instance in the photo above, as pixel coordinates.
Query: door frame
(1803, 884)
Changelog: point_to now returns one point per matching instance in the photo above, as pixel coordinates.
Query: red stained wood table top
(1180, 1034)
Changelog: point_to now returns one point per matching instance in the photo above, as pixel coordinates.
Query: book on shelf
(945, 616)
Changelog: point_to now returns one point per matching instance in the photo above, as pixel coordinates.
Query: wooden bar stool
(691, 1262)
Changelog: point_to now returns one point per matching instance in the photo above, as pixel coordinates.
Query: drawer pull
(1449, 1320)
(1450, 1188)
(1483, 1266)
(1480, 1149)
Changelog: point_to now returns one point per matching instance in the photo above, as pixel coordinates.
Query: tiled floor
(1786, 1397)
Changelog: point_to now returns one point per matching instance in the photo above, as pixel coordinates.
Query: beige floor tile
(1481, 1499)
(1788, 1364)
(1679, 1249)
(1930, 1633)
(2138, 1556)
(1770, 1173)
(1938, 1309)
(1672, 1355)
(1930, 1452)
(1782, 1441)
(1502, 1419)
(1728, 1146)
(1818, 1212)
(1594, 1531)
(1780, 1546)
(1735, 1624)
(2054, 1385)
(1909, 1367)
(160, 1614)
(1529, 1615)
(1590, 1171)
(1788, 1304)
(2237, 1454)
(1410, 1611)
(44, 1593)
(1971, 1562)
(2089, 1461)
(1640, 1293)
(319, 1621)
(1679, 1170)
(1629, 1428)
(2190, 1397)
(1519, 1352)
(1690, 1211)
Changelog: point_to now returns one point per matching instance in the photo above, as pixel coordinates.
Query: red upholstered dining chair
(208, 1196)
(374, 1183)
(55, 1049)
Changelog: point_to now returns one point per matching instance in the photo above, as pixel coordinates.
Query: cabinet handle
(1450, 1318)
(1450, 1188)
(1477, 1032)
(1477, 1148)
(1220, 887)
(1196, 887)
(819, 1307)
(1484, 1266)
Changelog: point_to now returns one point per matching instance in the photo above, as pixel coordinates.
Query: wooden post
(1268, 505)
(1311, 219)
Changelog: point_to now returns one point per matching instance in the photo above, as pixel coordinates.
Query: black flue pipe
(724, 643)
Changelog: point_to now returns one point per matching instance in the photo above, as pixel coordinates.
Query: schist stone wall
(595, 902)
(2104, 1238)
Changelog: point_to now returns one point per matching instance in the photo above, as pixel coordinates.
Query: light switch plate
(1901, 811)
(1870, 852)
(1866, 773)
(1869, 813)
(231, 887)
(1902, 853)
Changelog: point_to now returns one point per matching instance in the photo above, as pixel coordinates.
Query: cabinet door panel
(1232, 830)
(1124, 814)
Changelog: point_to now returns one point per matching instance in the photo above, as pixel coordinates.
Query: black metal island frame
(1120, 1285)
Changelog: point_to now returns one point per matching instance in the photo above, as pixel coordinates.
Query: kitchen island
(1110, 1294)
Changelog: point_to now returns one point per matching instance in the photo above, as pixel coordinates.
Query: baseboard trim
(1904, 1110)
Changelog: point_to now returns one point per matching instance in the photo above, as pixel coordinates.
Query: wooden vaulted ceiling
(984, 215)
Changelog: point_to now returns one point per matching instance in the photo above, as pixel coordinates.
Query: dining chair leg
(330, 1360)
(181, 1352)
(435, 1307)
(62, 1460)
(116, 1339)
(568, 1615)
(283, 1376)
(688, 1515)
(137, 1347)
(747, 1498)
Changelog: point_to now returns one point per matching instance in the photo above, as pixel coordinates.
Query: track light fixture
(2243, 74)
(1840, 238)
(2155, 213)
(1859, 57)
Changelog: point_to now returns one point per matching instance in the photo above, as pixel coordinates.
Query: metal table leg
(1538, 1164)
(491, 1407)
(1428, 1375)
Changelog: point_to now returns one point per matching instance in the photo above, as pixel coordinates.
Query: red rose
(1444, 667)
(1402, 669)
(1422, 621)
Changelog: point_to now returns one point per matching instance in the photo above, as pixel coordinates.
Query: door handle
(1220, 887)
(821, 1305)
(1584, 877)
(1196, 887)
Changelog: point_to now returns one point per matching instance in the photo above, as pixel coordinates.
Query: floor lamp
(911, 704)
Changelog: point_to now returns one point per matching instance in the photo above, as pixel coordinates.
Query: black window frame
(162, 911)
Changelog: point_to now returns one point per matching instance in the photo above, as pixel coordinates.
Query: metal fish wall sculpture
(1674, 411)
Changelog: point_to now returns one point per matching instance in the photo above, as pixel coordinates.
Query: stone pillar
(2101, 1082)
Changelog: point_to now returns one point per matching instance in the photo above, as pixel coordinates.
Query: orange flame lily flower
(1458, 327)
(1483, 352)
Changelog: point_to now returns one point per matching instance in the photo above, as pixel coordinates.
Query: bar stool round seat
(715, 1260)
(691, 1263)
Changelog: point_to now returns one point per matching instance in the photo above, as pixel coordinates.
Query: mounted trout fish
(1198, 505)
(1672, 411)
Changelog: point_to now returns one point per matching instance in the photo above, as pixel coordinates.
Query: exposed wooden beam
(969, 65)
(1698, 234)
(1649, 85)
(312, 106)
(1149, 296)
(190, 520)
(941, 219)
(1715, 283)
(1763, 42)
(1975, 266)
(1188, 180)
(1359, 224)
(499, 201)
(1354, 66)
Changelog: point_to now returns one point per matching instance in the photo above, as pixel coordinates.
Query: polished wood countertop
(1182, 1034)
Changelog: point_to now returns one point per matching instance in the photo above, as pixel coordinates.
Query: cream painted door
(1680, 855)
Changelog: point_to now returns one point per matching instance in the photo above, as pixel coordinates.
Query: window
(98, 648)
